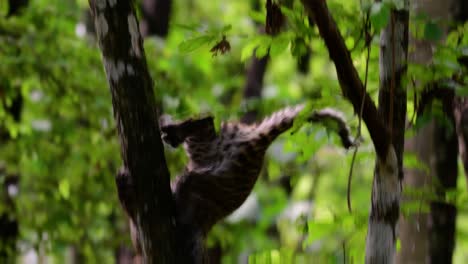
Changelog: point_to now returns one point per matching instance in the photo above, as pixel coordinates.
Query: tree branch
(348, 77)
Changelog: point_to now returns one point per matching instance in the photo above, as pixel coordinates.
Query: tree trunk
(254, 84)
(156, 15)
(461, 120)
(460, 12)
(143, 183)
(443, 215)
(381, 238)
(413, 227)
(436, 146)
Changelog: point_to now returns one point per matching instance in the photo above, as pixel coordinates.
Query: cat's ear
(172, 135)
(170, 131)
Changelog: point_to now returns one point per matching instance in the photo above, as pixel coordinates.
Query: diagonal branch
(351, 84)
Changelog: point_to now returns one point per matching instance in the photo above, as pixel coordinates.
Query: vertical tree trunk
(155, 17)
(460, 13)
(381, 236)
(461, 120)
(254, 84)
(413, 227)
(443, 215)
(143, 183)
(436, 146)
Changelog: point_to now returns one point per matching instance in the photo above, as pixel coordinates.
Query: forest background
(59, 150)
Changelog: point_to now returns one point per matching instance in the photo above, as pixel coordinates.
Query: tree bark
(461, 121)
(254, 84)
(431, 236)
(460, 11)
(381, 238)
(143, 183)
(443, 215)
(392, 108)
(156, 15)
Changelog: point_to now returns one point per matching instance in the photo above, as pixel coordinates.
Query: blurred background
(59, 150)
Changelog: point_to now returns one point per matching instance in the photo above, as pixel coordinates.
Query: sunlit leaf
(195, 43)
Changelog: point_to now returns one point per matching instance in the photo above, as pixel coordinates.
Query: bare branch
(351, 84)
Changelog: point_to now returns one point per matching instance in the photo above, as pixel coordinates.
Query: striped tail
(277, 123)
(280, 121)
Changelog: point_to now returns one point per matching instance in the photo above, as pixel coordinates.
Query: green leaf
(380, 15)
(255, 43)
(298, 47)
(257, 16)
(262, 50)
(226, 28)
(64, 189)
(195, 43)
(302, 117)
(432, 31)
(320, 230)
(278, 45)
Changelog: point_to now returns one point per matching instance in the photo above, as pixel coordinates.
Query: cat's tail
(282, 120)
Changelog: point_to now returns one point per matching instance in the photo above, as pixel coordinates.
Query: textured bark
(442, 150)
(430, 237)
(155, 17)
(144, 186)
(460, 10)
(381, 238)
(392, 92)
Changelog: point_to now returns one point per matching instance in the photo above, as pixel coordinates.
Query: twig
(358, 135)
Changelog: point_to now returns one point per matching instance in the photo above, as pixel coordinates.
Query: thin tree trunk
(143, 183)
(461, 120)
(254, 84)
(460, 11)
(413, 227)
(443, 215)
(156, 15)
(381, 238)
(431, 236)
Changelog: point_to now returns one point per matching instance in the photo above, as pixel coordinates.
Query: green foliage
(432, 31)
(380, 15)
(66, 151)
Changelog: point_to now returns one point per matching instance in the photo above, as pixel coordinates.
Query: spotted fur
(223, 167)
